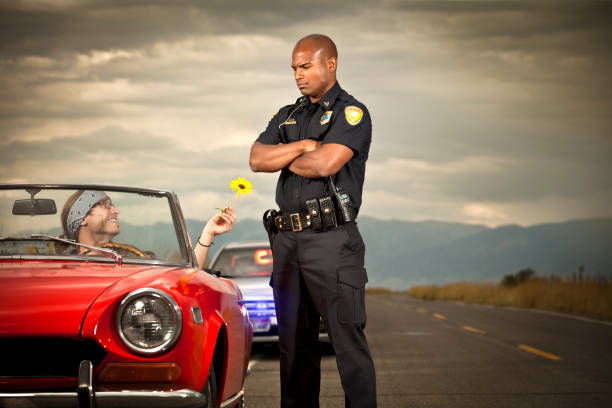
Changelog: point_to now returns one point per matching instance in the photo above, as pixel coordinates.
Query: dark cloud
(530, 180)
(515, 95)
(79, 27)
(91, 155)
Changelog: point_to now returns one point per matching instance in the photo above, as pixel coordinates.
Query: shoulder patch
(353, 115)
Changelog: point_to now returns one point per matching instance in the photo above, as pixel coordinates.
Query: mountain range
(400, 254)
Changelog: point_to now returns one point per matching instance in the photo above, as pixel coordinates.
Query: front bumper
(85, 397)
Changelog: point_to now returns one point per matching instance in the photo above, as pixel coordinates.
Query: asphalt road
(450, 354)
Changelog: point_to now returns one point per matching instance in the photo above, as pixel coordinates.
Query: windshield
(135, 225)
(244, 262)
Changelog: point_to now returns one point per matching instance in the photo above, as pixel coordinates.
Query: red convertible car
(102, 304)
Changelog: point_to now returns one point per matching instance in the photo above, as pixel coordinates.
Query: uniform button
(326, 211)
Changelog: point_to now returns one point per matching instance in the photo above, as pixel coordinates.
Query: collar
(326, 102)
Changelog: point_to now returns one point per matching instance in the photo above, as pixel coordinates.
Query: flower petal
(242, 186)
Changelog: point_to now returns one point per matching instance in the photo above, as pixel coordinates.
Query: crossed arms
(307, 158)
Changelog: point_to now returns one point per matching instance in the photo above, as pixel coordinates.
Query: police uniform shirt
(336, 118)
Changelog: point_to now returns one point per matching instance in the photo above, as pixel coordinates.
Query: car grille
(46, 357)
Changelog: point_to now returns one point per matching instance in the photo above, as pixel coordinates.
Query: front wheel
(210, 388)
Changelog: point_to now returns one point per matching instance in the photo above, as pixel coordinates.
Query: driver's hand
(219, 224)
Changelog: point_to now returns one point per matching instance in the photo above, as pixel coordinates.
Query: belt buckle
(299, 223)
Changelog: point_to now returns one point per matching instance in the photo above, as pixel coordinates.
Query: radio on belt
(343, 202)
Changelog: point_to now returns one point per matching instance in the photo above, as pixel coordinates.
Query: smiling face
(314, 67)
(100, 224)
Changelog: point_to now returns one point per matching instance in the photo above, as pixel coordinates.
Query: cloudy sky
(483, 112)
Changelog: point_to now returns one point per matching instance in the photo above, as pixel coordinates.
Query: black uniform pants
(322, 274)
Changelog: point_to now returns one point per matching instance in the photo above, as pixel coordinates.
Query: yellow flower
(241, 186)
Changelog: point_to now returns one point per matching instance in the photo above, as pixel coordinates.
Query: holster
(270, 225)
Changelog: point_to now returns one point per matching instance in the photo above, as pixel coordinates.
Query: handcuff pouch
(328, 214)
(315, 214)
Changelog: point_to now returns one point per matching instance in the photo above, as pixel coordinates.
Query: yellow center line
(421, 310)
(538, 352)
(473, 330)
(439, 316)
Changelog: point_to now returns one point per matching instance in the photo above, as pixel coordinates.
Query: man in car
(318, 262)
(89, 217)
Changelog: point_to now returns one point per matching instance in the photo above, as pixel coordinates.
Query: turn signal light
(145, 372)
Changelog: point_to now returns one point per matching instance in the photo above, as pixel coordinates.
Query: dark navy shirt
(336, 118)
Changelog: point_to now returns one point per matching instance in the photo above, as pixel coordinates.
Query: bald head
(321, 42)
(314, 60)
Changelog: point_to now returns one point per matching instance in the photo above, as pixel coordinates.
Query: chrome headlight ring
(148, 321)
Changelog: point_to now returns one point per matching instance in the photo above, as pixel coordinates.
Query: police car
(249, 265)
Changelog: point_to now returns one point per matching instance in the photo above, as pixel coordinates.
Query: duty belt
(322, 214)
(295, 222)
(318, 220)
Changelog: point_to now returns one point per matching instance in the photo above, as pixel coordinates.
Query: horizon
(444, 222)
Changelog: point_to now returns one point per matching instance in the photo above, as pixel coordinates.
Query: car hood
(52, 298)
(255, 287)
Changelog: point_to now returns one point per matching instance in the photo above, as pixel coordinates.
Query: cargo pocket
(351, 295)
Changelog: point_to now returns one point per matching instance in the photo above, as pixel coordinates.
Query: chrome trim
(265, 339)
(180, 227)
(323, 337)
(196, 312)
(155, 293)
(95, 259)
(127, 189)
(111, 399)
(232, 400)
(85, 391)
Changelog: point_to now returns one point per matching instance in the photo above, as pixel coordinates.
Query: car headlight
(149, 321)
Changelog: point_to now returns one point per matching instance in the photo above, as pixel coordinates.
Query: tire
(210, 388)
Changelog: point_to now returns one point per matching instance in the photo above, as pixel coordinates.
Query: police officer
(320, 144)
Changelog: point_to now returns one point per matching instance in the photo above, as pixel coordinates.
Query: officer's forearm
(272, 158)
(307, 165)
(322, 162)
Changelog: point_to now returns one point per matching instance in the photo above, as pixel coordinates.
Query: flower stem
(229, 206)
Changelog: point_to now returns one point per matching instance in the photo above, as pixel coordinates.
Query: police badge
(326, 117)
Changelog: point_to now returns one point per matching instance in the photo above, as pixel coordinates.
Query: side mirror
(34, 206)
(216, 273)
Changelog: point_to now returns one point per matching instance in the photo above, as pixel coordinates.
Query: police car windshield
(244, 262)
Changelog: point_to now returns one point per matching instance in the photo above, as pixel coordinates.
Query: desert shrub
(588, 298)
(521, 276)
